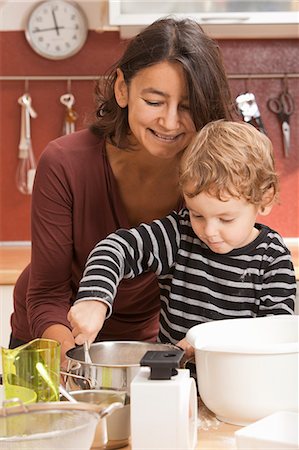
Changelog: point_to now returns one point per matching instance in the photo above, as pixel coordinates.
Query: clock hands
(56, 27)
(55, 22)
(40, 30)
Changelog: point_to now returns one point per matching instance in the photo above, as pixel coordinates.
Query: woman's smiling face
(158, 109)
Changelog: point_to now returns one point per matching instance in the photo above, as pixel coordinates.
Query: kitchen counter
(221, 438)
(13, 259)
(212, 434)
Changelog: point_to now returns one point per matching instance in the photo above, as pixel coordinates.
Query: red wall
(100, 51)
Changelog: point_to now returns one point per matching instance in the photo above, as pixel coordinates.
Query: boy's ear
(267, 202)
(121, 89)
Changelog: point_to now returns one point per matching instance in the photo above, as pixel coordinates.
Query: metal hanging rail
(50, 77)
(249, 76)
(244, 76)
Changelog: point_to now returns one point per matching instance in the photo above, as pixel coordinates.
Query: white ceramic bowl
(247, 368)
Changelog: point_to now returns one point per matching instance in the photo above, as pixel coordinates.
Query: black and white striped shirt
(197, 285)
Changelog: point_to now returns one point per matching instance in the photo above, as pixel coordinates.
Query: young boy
(212, 260)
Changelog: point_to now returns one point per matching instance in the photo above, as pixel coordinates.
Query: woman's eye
(152, 103)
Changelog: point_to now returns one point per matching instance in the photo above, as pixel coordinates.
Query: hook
(246, 83)
(26, 85)
(69, 85)
(285, 86)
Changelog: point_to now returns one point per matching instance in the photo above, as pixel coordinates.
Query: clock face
(56, 29)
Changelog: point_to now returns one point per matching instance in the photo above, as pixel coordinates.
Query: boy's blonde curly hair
(229, 158)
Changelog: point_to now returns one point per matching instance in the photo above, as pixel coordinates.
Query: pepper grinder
(163, 404)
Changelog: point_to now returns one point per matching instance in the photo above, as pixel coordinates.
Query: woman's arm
(49, 291)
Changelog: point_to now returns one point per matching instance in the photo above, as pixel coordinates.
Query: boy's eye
(227, 220)
(196, 216)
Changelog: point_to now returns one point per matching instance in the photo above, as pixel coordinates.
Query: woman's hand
(63, 335)
(86, 319)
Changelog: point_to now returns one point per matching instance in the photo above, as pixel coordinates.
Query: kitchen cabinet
(221, 19)
(6, 308)
(13, 259)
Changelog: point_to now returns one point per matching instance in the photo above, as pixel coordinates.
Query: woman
(123, 171)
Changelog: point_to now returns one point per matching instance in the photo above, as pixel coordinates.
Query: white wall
(14, 14)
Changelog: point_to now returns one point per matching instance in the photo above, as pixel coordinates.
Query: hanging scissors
(283, 106)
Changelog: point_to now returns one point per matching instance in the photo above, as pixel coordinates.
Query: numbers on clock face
(56, 29)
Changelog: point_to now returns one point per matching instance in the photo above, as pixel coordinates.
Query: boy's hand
(189, 350)
(86, 319)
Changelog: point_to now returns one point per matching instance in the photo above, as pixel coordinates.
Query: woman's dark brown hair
(167, 39)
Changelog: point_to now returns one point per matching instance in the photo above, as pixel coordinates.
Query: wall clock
(56, 29)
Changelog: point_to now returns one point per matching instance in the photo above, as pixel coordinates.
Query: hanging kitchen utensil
(249, 110)
(283, 106)
(26, 166)
(71, 116)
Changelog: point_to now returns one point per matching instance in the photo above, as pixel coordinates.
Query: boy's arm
(123, 254)
(279, 287)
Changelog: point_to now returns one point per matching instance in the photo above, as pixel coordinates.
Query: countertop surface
(13, 259)
(217, 436)
(220, 438)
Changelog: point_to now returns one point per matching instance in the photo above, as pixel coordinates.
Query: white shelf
(132, 16)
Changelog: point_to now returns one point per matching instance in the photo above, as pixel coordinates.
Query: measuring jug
(34, 366)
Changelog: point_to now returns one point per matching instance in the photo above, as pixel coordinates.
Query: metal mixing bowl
(114, 364)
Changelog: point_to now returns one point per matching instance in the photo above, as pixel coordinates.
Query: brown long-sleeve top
(75, 204)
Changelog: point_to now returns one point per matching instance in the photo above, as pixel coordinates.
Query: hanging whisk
(26, 166)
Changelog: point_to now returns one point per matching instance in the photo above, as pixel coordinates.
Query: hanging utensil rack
(96, 77)
(50, 77)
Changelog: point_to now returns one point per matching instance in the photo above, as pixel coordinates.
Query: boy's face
(222, 225)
